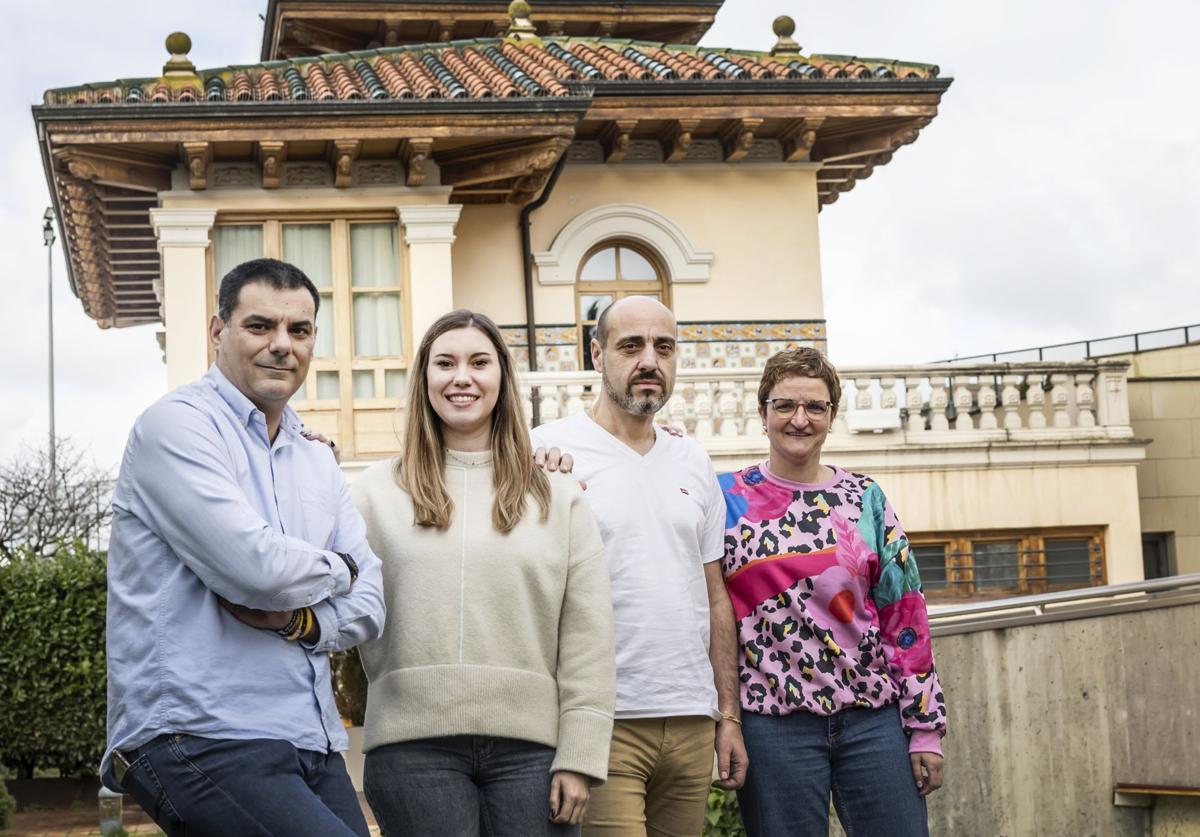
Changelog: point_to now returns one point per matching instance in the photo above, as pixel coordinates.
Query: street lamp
(48, 239)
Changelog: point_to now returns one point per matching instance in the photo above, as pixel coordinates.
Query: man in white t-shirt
(662, 518)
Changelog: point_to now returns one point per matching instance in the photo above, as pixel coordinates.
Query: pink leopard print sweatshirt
(828, 601)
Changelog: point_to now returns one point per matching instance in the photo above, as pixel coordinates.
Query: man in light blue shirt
(237, 563)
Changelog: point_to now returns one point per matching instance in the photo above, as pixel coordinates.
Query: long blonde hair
(421, 469)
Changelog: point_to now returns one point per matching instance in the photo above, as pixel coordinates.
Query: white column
(183, 236)
(429, 234)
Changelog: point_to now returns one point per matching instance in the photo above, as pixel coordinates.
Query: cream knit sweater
(489, 634)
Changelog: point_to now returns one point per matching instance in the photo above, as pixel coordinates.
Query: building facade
(536, 165)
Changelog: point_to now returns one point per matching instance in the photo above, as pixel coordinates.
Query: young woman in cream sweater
(490, 703)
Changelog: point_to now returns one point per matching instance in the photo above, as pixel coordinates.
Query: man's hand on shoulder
(320, 438)
(553, 459)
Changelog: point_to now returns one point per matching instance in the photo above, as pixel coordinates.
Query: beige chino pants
(659, 772)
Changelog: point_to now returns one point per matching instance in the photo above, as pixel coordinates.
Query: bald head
(636, 308)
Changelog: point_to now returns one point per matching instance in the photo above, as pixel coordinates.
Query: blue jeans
(254, 788)
(860, 755)
(462, 786)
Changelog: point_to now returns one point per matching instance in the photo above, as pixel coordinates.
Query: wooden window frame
(616, 288)
(344, 361)
(1031, 566)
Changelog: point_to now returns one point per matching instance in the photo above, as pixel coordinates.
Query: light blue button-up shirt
(207, 506)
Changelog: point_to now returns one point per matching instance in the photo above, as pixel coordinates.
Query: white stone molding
(429, 224)
(560, 264)
(182, 227)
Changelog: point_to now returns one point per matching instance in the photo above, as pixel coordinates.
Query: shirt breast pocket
(318, 520)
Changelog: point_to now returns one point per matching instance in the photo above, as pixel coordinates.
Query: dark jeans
(462, 786)
(254, 788)
(796, 760)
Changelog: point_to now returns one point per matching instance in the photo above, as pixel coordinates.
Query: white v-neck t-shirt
(662, 518)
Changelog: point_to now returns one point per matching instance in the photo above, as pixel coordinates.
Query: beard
(645, 405)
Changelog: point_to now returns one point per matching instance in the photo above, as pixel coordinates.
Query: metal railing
(1163, 338)
(1086, 603)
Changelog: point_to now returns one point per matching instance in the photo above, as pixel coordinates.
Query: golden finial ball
(178, 43)
(784, 26)
(518, 8)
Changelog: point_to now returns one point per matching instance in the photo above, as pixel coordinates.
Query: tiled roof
(481, 69)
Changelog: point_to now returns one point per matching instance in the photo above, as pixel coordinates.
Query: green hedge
(52, 694)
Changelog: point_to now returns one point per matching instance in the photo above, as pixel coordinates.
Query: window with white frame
(612, 271)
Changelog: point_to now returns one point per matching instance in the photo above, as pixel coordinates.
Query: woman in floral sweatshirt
(838, 687)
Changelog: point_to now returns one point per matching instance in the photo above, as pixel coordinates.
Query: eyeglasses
(786, 407)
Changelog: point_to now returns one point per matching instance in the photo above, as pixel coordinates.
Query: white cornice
(180, 227)
(429, 224)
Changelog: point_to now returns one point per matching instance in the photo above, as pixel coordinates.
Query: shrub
(722, 818)
(7, 806)
(52, 694)
(349, 686)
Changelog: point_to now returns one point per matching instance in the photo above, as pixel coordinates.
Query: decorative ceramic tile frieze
(702, 345)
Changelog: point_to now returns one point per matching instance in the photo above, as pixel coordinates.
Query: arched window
(612, 271)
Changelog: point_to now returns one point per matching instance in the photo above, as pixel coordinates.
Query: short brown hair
(804, 362)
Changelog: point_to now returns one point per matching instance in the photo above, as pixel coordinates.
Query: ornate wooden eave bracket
(413, 154)
(866, 145)
(79, 177)
(524, 166)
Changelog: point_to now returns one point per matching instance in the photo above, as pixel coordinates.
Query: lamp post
(48, 239)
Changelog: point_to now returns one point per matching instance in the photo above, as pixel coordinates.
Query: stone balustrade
(940, 405)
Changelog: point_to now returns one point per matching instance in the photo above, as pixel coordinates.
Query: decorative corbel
(738, 138)
(414, 153)
(615, 139)
(799, 137)
(344, 154)
(197, 156)
(677, 139)
(270, 157)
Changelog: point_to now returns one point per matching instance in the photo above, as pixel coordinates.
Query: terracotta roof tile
(483, 69)
(318, 83)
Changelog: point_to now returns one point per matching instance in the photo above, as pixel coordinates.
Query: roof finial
(784, 27)
(179, 45)
(520, 27)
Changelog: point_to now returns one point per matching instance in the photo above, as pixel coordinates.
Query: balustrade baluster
(887, 393)
(727, 406)
(1085, 400)
(1035, 397)
(939, 400)
(839, 423)
(987, 405)
(1010, 397)
(550, 404)
(963, 400)
(752, 422)
(703, 406)
(915, 402)
(1059, 400)
(574, 399)
(527, 404)
(862, 394)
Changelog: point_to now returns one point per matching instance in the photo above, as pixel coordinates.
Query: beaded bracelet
(287, 629)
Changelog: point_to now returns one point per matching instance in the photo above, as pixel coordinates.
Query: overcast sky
(1055, 197)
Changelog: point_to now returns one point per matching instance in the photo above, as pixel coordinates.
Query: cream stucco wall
(1025, 498)
(1164, 406)
(759, 221)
